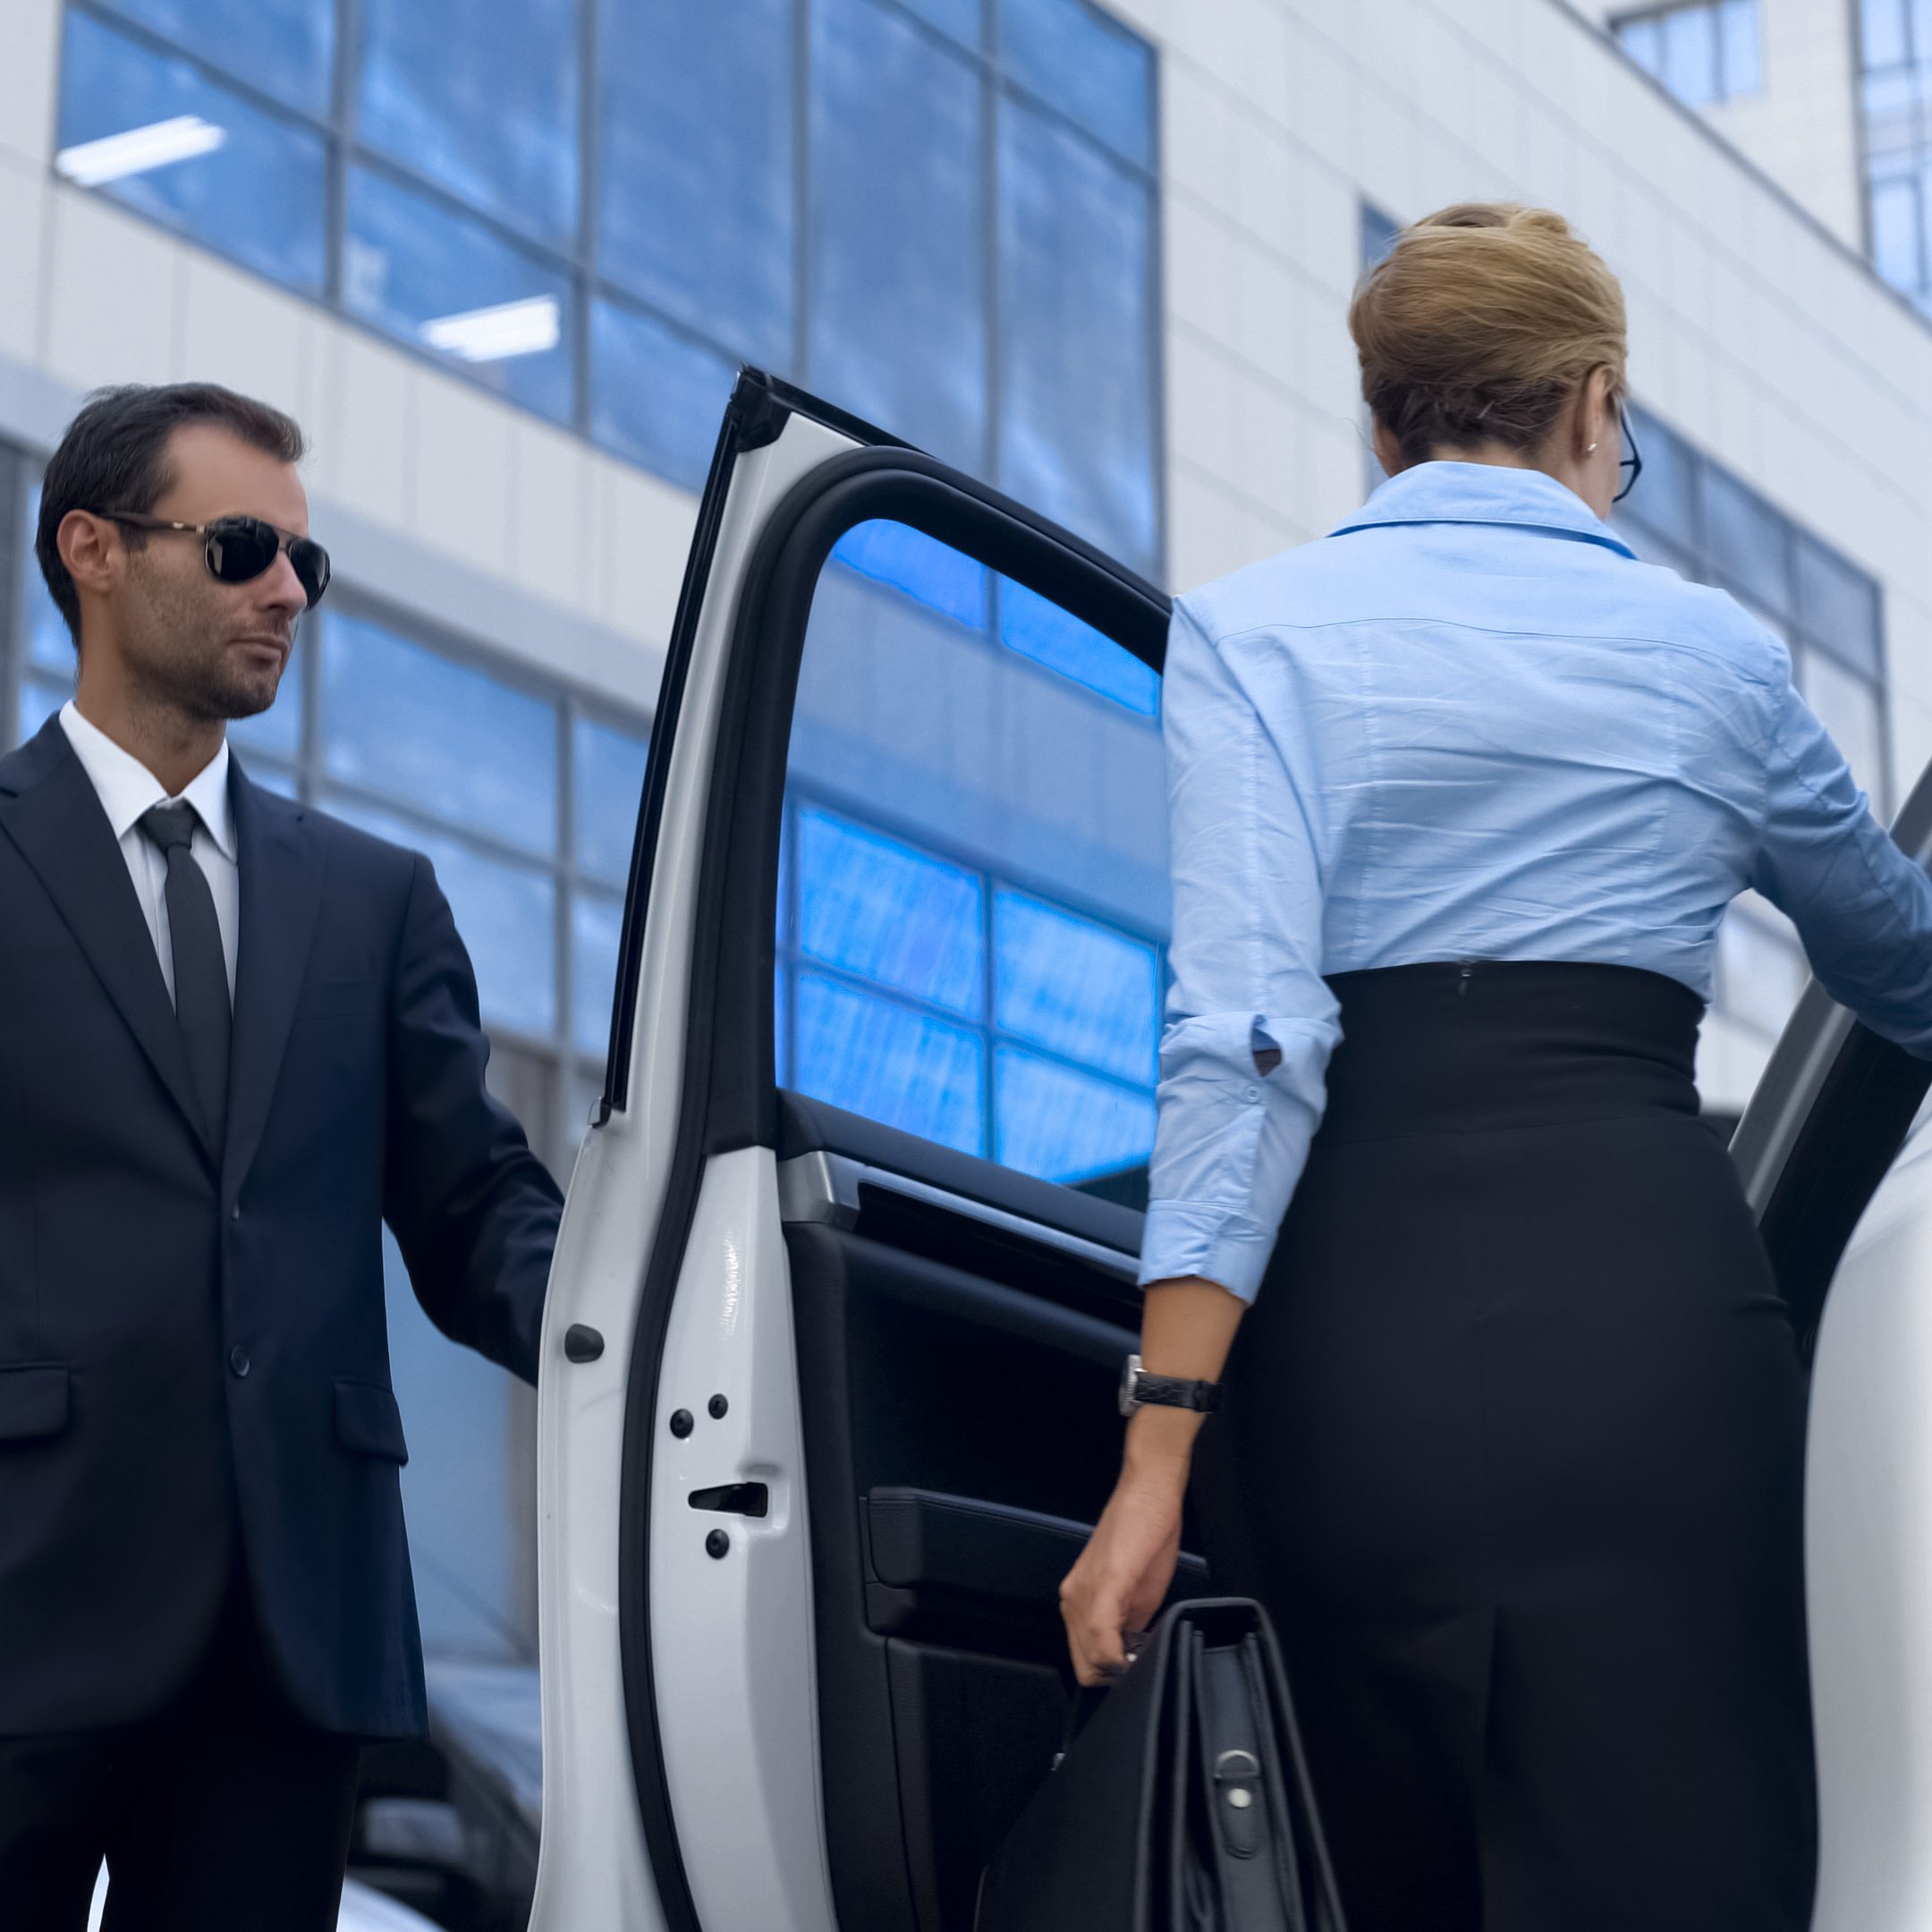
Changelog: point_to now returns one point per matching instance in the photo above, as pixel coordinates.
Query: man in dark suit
(235, 1036)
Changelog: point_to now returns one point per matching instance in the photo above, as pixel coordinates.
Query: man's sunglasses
(1629, 464)
(237, 549)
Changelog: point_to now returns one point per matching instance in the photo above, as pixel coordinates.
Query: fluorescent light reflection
(493, 335)
(140, 150)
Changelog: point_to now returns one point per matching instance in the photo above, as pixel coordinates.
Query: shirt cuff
(1182, 1238)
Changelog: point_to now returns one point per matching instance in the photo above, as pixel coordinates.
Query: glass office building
(1098, 257)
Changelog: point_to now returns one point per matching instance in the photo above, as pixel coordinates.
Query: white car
(825, 1407)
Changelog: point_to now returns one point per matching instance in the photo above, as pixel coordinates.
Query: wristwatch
(1141, 1390)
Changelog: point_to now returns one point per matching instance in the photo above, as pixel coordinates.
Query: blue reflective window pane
(889, 912)
(922, 566)
(596, 930)
(1065, 1125)
(1378, 233)
(447, 739)
(38, 702)
(1895, 233)
(1643, 41)
(1055, 637)
(1665, 500)
(452, 285)
(959, 18)
(697, 123)
(898, 287)
(656, 395)
(1082, 989)
(876, 1057)
(1076, 433)
(1883, 30)
(1737, 38)
(507, 916)
(277, 731)
(1690, 54)
(153, 133)
(1839, 607)
(609, 779)
(480, 97)
(1746, 541)
(48, 644)
(272, 777)
(1091, 68)
(285, 48)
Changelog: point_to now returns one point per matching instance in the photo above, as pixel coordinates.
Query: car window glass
(973, 897)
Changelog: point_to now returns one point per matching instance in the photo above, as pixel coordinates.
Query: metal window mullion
(992, 278)
(335, 192)
(801, 84)
(590, 197)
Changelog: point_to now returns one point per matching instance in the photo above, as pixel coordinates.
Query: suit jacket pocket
(368, 1421)
(33, 1400)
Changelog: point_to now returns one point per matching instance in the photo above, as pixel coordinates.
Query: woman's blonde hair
(1480, 324)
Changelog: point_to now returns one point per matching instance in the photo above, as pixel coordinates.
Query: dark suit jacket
(193, 1347)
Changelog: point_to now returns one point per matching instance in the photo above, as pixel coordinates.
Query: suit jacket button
(234, 1213)
(238, 1360)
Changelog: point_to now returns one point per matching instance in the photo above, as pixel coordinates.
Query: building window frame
(1639, 34)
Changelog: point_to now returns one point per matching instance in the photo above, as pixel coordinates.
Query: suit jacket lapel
(49, 809)
(281, 864)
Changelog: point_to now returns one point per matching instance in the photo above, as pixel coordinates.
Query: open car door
(830, 1401)
(1835, 1150)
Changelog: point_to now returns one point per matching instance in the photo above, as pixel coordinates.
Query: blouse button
(1254, 1093)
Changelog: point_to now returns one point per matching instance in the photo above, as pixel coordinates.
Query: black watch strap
(1141, 1389)
(1177, 1392)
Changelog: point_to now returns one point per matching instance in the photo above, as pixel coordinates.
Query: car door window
(973, 897)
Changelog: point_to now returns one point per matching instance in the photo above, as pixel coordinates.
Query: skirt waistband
(1474, 1044)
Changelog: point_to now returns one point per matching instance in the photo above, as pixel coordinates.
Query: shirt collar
(127, 788)
(1483, 493)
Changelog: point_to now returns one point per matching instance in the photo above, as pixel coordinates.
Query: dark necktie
(202, 1001)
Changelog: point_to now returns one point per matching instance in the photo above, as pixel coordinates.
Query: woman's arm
(1250, 1026)
(1124, 1572)
(1862, 907)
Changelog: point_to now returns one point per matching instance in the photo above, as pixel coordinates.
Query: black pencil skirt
(1512, 1451)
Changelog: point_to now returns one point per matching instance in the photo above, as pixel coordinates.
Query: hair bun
(1479, 325)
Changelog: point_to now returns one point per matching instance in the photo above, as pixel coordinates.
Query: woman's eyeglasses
(1629, 464)
(237, 549)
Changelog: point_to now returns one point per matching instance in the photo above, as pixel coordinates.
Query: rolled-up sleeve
(1861, 906)
(1250, 1022)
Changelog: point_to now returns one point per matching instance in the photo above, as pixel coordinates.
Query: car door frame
(698, 922)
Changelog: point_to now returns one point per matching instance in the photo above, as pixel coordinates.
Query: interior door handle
(734, 1499)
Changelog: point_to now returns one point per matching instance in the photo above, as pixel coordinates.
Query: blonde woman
(1511, 1443)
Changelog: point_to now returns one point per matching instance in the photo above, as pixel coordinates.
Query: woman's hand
(1122, 1574)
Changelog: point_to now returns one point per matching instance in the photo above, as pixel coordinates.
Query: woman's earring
(1591, 451)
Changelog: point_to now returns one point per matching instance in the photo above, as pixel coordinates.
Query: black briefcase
(1181, 1805)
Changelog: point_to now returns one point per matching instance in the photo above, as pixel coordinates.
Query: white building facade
(502, 275)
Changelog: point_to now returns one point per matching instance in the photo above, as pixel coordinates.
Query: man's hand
(1122, 1574)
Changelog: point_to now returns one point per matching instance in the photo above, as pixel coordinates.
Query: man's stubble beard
(177, 662)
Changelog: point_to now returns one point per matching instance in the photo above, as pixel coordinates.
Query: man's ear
(90, 547)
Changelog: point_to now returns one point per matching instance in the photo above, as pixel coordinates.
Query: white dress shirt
(126, 789)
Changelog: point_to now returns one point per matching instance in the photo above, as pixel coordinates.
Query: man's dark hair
(114, 457)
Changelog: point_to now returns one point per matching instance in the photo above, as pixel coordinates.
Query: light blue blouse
(1469, 724)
